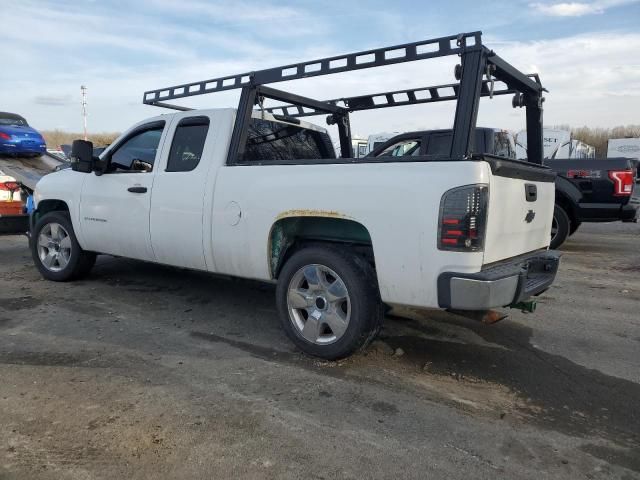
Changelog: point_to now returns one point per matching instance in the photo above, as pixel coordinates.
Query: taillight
(622, 182)
(10, 186)
(5, 136)
(463, 218)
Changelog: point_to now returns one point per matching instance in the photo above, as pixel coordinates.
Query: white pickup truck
(252, 194)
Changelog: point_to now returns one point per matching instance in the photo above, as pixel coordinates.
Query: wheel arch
(290, 233)
(52, 205)
(562, 200)
(568, 197)
(46, 206)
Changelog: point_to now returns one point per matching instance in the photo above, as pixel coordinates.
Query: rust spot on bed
(303, 212)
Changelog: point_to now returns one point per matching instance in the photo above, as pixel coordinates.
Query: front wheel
(55, 249)
(559, 227)
(328, 301)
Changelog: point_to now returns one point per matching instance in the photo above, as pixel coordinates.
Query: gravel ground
(144, 371)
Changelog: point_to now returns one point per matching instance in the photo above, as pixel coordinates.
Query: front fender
(60, 190)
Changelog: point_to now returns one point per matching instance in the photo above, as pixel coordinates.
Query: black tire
(79, 262)
(574, 227)
(561, 224)
(359, 280)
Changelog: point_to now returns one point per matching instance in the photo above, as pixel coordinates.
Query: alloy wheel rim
(319, 304)
(54, 247)
(554, 228)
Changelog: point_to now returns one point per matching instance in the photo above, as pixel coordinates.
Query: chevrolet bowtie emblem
(530, 216)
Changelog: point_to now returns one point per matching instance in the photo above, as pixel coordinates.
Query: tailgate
(520, 213)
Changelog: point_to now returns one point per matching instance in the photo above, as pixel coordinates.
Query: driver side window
(138, 152)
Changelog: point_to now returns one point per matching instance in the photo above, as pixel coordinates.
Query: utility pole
(83, 89)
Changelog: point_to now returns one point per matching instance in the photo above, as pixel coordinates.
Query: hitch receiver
(526, 307)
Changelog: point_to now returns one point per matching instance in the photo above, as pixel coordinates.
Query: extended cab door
(114, 206)
(181, 189)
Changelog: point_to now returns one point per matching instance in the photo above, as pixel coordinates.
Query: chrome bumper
(499, 285)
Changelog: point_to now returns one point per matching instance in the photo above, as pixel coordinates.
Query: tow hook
(526, 307)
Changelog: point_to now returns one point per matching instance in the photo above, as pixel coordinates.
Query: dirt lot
(143, 371)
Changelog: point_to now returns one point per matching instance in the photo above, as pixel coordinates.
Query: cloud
(53, 100)
(592, 78)
(577, 9)
(573, 9)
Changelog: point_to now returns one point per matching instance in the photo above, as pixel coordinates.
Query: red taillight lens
(463, 218)
(622, 182)
(5, 136)
(10, 186)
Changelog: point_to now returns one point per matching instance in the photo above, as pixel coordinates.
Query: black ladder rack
(477, 62)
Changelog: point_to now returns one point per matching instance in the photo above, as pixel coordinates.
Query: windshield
(14, 121)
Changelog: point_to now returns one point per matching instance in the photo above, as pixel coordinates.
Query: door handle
(137, 189)
(530, 192)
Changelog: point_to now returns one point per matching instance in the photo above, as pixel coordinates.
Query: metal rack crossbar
(396, 98)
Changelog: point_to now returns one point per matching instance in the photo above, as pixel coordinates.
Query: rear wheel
(559, 227)
(55, 249)
(328, 301)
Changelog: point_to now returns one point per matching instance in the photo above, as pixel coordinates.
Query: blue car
(18, 138)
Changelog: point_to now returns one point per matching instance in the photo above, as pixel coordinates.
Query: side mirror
(82, 156)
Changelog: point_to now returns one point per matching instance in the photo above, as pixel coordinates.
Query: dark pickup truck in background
(594, 190)
(587, 190)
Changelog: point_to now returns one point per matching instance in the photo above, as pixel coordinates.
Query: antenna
(83, 89)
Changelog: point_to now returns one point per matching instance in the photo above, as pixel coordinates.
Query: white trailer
(623, 147)
(557, 144)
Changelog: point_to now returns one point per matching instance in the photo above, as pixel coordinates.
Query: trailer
(557, 144)
(623, 148)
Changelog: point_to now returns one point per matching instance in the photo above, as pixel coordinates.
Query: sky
(586, 53)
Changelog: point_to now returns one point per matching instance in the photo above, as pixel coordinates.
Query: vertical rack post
(464, 124)
(243, 118)
(535, 143)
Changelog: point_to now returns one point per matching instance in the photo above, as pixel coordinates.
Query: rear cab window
(269, 140)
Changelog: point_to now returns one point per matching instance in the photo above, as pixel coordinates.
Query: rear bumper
(22, 148)
(499, 285)
(633, 207)
(609, 212)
